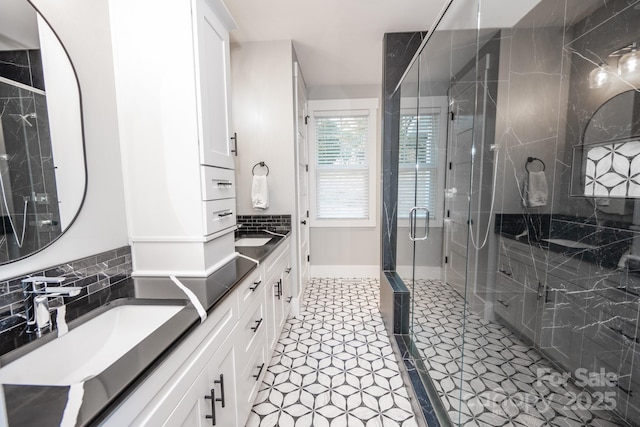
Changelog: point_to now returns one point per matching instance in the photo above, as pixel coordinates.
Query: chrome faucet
(36, 300)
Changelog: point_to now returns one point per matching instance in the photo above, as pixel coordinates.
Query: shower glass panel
(525, 297)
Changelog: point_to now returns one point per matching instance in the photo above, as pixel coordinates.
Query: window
(421, 168)
(343, 160)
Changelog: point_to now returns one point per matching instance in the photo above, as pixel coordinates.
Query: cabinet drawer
(523, 252)
(276, 262)
(219, 214)
(250, 379)
(218, 183)
(251, 290)
(508, 297)
(525, 274)
(252, 327)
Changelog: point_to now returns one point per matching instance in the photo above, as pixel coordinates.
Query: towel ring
(533, 159)
(261, 164)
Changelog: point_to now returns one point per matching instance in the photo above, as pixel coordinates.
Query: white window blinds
(342, 166)
(418, 162)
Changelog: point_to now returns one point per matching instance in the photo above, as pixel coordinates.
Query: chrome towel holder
(261, 164)
(531, 160)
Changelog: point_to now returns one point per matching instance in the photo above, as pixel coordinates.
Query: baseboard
(345, 271)
(433, 273)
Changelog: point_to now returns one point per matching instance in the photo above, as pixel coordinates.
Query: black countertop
(604, 244)
(44, 405)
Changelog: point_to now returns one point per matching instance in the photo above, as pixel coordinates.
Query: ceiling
(338, 42)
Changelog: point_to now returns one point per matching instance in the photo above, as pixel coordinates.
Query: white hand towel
(536, 190)
(260, 192)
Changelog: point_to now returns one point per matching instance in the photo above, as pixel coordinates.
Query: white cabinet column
(171, 72)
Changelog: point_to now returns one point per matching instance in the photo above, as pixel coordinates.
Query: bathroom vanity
(185, 370)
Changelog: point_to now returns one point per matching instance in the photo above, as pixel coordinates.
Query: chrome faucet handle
(57, 291)
(44, 279)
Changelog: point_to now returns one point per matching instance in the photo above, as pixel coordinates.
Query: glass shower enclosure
(517, 163)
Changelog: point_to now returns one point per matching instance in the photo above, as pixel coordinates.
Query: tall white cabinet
(172, 90)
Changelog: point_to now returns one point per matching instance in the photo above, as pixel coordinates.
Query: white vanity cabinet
(172, 91)
(278, 272)
(225, 356)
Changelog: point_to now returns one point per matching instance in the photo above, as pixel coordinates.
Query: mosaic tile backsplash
(259, 223)
(93, 273)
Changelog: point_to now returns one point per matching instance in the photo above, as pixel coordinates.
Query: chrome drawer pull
(289, 299)
(223, 214)
(225, 184)
(503, 303)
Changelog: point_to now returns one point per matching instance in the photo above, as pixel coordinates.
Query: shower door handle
(412, 223)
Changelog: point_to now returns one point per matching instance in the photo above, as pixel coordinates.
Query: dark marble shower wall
(398, 50)
(27, 162)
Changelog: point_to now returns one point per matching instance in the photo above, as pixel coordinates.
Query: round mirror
(42, 159)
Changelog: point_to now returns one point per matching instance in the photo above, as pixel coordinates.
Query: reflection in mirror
(606, 166)
(42, 167)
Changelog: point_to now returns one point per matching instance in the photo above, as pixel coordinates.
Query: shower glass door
(438, 150)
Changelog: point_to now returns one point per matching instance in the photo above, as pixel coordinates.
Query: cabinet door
(213, 95)
(193, 408)
(275, 315)
(213, 392)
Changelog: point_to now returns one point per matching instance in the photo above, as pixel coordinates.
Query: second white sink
(89, 349)
(252, 241)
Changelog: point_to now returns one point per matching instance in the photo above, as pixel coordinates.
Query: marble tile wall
(398, 50)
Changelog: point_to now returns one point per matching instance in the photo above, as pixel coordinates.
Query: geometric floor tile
(333, 365)
(494, 379)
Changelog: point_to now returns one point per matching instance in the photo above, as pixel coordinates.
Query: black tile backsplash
(259, 223)
(93, 273)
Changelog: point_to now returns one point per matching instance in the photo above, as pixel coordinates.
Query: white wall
(262, 114)
(83, 28)
(348, 252)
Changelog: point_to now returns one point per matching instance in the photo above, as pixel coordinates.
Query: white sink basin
(252, 241)
(570, 243)
(89, 349)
